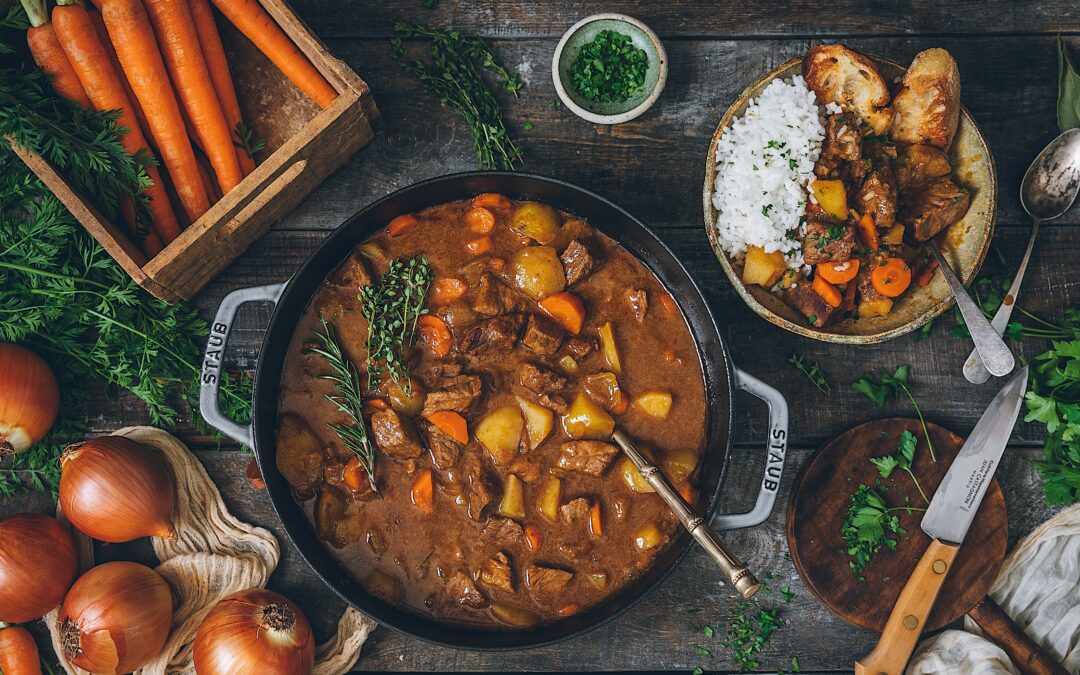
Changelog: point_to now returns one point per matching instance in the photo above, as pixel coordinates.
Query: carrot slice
(402, 224)
(435, 334)
(829, 293)
(480, 220)
(480, 245)
(595, 524)
(566, 309)
(668, 303)
(891, 277)
(686, 490)
(491, 200)
(868, 232)
(446, 290)
(926, 274)
(622, 404)
(838, 272)
(450, 423)
(423, 491)
(354, 474)
(533, 538)
(568, 610)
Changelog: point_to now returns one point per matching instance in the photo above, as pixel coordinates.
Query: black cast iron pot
(722, 378)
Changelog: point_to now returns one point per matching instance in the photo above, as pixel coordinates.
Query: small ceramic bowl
(582, 33)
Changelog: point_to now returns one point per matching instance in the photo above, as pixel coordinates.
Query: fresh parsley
(902, 459)
(1054, 401)
(813, 371)
(869, 526)
(609, 69)
(888, 387)
(749, 633)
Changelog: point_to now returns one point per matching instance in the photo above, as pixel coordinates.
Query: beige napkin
(213, 556)
(1039, 587)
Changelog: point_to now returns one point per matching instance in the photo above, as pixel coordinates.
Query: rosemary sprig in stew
(348, 397)
(391, 306)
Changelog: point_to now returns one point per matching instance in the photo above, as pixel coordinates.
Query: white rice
(765, 160)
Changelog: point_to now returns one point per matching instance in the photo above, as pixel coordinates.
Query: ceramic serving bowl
(582, 33)
(965, 244)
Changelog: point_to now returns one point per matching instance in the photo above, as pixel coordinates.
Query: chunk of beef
(827, 242)
(445, 451)
(863, 281)
(590, 457)
(498, 334)
(552, 401)
(578, 262)
(525, 468)
(394, 435)
(497, 573)
(539, 380)
(854, 173)
(639, 303)
(545, 583)
(352, 274)
(843, 140)
(879, 151)
(542, 336)
(478, 490)
(431, 372)
(935, 207)
(463, 590)
(877, 196)
(580, 347)
(456, 393)
(804, 298)
(575, 511)
(493, 297)
(919, 164)
(505, 531)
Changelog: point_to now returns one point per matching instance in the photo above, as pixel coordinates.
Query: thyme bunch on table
(454, 76)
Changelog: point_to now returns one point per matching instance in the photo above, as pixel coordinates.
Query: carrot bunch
(162, 66)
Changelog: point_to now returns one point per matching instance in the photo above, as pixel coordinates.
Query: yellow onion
(29, 398)
(254, 632)
(38, 562)
(116, 490)
(115, 618)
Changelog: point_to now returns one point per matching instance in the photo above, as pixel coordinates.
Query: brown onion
(29, 398)
(254, 632)
(38, 562)
(116, 490)
(115, 618)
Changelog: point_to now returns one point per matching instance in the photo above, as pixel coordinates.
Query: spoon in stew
(1048, 190)
(740, 578)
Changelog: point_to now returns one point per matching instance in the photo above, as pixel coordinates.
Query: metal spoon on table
(1047, 191)
(740, 578)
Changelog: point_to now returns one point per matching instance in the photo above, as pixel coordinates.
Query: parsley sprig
(609, 69)
(392, 306)
(1054, 400)
(870, 525)
(889, 387)
(902, 459)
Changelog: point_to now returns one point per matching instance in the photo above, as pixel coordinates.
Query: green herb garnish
(889, 387)
(749, 633)
(902, 459)
(455, 78)
(246, 140)
(392, 305)
(609, 69)
(786, 594)
(348, 397)
(1054, 400)
(813, 371)
(869, 527)
(1068, 103)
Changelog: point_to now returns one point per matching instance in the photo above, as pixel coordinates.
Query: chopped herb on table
(813, 372)
(889, 388)
(746, 635)
(609, 69)
(870, 525)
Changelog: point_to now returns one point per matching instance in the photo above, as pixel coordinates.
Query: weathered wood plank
(657, 634)
(1009, 84)
(692, 18)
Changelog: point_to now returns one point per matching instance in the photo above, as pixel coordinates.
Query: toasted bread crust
(928, 104)
(843, 76)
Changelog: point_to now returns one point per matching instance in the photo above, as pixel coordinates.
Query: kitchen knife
(947, 520)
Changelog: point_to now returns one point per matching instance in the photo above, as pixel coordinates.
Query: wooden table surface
(654, 167)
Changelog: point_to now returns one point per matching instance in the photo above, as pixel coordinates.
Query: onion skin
(18, 652)
(254, 632)
(116, 618)
(38, 563)
(29, 398)
(116, 490)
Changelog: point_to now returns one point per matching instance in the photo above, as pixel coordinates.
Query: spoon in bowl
(740, 578)
(1048, 190)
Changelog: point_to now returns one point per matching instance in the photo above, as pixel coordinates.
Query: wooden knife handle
(1025, 653)
(908, 617)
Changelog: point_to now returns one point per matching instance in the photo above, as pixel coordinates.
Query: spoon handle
(992, 349)
(974, 370)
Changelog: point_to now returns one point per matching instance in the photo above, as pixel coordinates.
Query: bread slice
(847, 78)
(927, 107)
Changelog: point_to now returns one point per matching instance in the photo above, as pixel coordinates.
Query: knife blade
(947, 520)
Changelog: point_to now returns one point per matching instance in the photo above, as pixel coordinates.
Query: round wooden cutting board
(819, 505)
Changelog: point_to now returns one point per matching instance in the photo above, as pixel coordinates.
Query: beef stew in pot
(495, 345)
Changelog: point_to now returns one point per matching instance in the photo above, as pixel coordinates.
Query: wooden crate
(304, 145)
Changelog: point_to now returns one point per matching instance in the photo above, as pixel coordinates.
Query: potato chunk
(875, 307)
(632, 477)
(537, 271)
(654, 403)
(539, 421)
(679, 465)
(512, 616)
(586, 419)
(513, 500)
(761, 268)
(299, 453)
(609, 348)
(536, 221)
(500, 433)
(648, 536)
(550, 496)
(831, 196)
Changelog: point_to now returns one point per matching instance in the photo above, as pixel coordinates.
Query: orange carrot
(133, 38)
(402, 224)
(480, 220)
(566, 309)
(103, 36)
(669, 305)
(423, 490)
(353, 475)
(49, 55)
(435, 334)
(447, 289)
(569, 609)
(595, 524)
(214, 55)
(533, 538)
(480, 245)
(256, 24)
(926, 274)
(450, 423)
(838, 272)
(104, 87)
(175, 30)
(151, 243)
(622, 404)
(868, 232)
(686, 491)
(891, 277)
(491, 200)
(829, 293)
